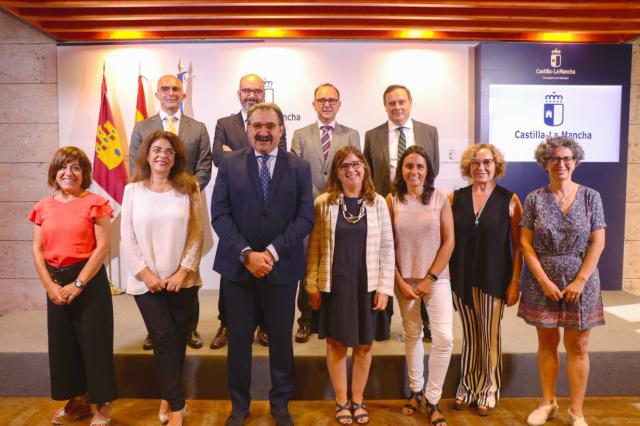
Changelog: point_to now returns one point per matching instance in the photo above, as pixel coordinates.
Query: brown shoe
(220, 339)
(146, 344)
(263, 336)
(303, 333)
(71, 412)
(194, 340)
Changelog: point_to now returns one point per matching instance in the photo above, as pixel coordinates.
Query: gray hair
(548, 147)
(266, 106)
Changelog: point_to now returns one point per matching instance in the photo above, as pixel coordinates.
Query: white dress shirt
(394, 135)
(177, 116)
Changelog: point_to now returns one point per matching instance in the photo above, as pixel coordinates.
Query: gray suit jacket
(194, 137)
(376, 151)
(231, 131)
(306, 145)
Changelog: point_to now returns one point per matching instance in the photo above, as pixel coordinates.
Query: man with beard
(262, 209)
(230, 135)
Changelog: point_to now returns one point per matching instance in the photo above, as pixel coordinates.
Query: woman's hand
(153, 283)
(552, 291)
(314, 300)
(423, 289)
(573, 291)
(54, 292)
(406, 290)
(176, 281)
(513, 293)
(380, 301)
(69, 292)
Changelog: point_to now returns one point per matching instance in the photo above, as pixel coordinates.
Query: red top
(67, 230)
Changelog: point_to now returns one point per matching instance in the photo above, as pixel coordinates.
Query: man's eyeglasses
(165, 90)
(251, 91)
(330, 101)
(487, 162)
(566, 160)
(258, 126)
(344, 167)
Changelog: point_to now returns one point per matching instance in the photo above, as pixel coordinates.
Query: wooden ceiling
(533, 20)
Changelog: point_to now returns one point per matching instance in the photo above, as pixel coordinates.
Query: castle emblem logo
(553, 110)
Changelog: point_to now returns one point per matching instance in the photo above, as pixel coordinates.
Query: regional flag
(141, 103)
(108, 165)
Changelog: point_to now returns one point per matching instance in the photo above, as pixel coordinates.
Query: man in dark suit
(384, 145)
(317, 143)
(230, 135)
(262, 209)
(195, 138)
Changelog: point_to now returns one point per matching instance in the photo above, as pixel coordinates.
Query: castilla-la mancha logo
(553, 110)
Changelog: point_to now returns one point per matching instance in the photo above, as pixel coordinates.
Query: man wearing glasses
(317, 144)
(230, 135)
(197, 147)
(262, 209)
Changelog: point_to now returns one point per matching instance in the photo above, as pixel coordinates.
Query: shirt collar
(273, 153)
(244, 118)
(164, 115)
(407, 126)
(332, 124)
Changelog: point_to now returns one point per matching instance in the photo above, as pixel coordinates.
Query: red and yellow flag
(141, 103)
(108, 165)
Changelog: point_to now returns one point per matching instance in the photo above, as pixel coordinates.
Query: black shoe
(146, 344)
(263, 336)
(427, 331)
(236, 418)
(282, 417)
(194, 340)
(303, 333)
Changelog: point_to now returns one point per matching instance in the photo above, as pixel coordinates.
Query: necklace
(563, 197)
(479, 212)
(351, 218)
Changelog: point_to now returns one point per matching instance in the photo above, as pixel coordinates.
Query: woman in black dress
(350, 272)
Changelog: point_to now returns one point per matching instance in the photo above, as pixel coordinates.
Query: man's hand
(259, 264)
(225, 148)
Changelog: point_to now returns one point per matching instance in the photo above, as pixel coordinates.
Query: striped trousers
(481, 360)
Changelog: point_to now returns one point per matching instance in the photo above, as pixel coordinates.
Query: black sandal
(355, 406)
(432, 409)
(414, 403)
(344, 407)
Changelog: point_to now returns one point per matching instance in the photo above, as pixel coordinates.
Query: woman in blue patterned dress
(562, 239)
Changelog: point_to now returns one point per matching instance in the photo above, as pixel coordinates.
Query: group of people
(368, 225)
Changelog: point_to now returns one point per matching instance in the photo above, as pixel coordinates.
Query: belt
(66, 274)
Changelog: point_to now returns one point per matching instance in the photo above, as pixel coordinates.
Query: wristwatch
(79, 284)
(244, 254)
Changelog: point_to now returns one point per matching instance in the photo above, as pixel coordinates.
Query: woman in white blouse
(162, 234)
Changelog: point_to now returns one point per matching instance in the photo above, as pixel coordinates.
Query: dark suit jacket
(231, 131)
(242, 219)
(194, 137)
(376, 151)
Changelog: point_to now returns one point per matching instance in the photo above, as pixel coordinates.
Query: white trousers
(440, 309)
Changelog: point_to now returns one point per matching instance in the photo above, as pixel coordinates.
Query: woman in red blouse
(70, 243)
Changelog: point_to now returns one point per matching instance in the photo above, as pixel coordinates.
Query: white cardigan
(380, 256)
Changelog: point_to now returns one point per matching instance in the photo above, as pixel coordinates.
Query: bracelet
(432, 276)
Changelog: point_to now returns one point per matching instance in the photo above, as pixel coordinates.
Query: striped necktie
(325, 140)
(402, 142)
(171, 127)
(265, 177)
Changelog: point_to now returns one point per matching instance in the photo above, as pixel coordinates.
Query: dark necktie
(325, 140)
(402, 142)
(264, 175)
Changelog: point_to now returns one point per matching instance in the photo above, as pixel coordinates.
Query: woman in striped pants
(485, 272)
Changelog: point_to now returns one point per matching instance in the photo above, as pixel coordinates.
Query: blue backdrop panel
(572, 64)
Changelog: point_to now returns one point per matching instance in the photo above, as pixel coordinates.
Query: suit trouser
(481, 360)
(81, 344)
(242, 301)
(168, 317)
(440, 310)
(221, 310)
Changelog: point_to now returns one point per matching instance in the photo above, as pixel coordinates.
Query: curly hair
(470, 153)
(400, 186)
(548, 147)
(334, 186)
(183, 182)
(61, 158)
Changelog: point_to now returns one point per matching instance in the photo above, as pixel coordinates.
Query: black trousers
(81, 344)
(242, 301)
(221, 310)
(169, 319)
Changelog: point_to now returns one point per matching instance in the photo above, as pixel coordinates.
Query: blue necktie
(264, 175)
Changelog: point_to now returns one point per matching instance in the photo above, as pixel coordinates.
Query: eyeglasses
(258, 126)
(165, 90)
(566, 160)
(487, 162)
(344, 167)
(251, 91)
(168, 151)
(330, 101)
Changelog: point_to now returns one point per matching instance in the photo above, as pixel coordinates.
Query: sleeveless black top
(482, 254)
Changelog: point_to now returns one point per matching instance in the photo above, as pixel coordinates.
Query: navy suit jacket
(242, 219)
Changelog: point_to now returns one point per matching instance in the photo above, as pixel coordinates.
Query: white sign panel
(521, 116)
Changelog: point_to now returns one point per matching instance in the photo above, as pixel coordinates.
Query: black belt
(66, 274)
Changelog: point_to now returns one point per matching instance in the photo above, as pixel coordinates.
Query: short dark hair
(548, 147)
(266, 106)
(315, 92)
(391, 89)
(61, 158)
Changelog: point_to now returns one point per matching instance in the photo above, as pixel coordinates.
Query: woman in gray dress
(562, 239)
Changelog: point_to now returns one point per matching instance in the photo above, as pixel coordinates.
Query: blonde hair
(470, 153)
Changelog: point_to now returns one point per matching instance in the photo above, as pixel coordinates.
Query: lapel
(252, 168)
(241, 133)
(383, 143)
(282, 164)
(315, 146)
(156, 123)
(419, 134)
(334, 209)
(183, 129)
(335, 145)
